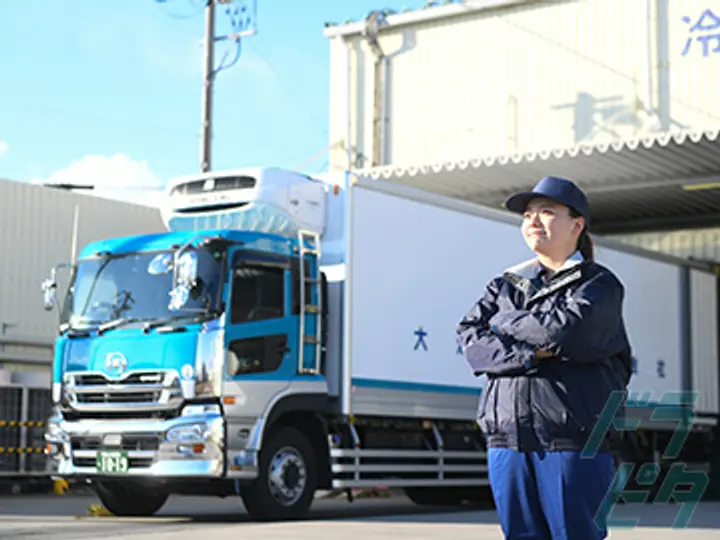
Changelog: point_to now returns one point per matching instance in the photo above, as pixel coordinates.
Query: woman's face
(549, 229)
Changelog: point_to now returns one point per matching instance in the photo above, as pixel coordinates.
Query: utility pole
(209, 75)
(245, 24)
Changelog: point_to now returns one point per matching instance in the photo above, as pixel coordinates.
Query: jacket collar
(523, 276)
(531, 269)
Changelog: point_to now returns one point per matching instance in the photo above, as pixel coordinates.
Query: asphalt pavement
(39, 517)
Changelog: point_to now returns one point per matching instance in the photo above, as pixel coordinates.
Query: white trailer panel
(417, 267)
(655, 315)
(419, 279)
(704, 341)
(420, 261)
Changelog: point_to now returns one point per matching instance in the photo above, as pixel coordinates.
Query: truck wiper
(164, 321)
(110, 325)
(197, 317)
(74, 331)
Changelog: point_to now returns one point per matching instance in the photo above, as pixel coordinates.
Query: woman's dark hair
(584, 243)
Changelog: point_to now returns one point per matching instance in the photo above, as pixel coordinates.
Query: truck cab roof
(272, 243)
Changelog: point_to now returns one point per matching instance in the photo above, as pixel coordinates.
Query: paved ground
(60, 518)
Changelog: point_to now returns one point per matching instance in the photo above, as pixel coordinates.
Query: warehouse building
(479, 98)
(41, 227)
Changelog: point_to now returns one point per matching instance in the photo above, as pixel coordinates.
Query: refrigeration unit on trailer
(289, 334)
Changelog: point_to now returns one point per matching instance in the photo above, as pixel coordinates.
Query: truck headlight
(54, 424)
(187, 433)
(53, 430)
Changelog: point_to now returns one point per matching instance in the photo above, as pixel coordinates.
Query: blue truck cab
(192, 361)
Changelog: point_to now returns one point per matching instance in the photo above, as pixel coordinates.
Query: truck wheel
(129, 501)
(285, 486)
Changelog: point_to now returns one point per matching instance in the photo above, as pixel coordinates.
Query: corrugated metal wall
(704, 341)
(536, 76)
(696, 243)
(36, 226)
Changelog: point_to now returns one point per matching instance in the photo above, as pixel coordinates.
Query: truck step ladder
(310, 344)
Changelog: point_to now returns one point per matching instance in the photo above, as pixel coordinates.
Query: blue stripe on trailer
(384, 384)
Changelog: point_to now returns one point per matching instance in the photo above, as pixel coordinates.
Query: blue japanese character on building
(705, 31)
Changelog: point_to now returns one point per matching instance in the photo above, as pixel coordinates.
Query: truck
(291, 334)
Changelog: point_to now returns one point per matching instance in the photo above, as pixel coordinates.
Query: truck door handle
(283, 350)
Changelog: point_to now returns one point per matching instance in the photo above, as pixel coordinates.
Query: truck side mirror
(185, 272)
(49, 288)
(186, 269)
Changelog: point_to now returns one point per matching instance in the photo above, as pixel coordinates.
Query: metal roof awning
(666, 181)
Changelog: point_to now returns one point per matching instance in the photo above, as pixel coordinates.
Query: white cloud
(3, 147)
(115, 177)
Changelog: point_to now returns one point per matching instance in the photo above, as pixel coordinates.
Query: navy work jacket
(532, 404)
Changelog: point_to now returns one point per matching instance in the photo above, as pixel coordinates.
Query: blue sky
(109, 91)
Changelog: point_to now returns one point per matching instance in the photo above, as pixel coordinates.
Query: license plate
(113, 462)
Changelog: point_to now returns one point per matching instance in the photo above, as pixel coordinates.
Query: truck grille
(130, 441)
(141, 448)
(138, 390)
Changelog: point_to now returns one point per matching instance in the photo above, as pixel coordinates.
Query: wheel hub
(287, 476)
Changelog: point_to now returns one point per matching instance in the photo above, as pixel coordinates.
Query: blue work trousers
(550, 495)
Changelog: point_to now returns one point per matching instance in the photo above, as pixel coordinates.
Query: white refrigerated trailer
(416, 262)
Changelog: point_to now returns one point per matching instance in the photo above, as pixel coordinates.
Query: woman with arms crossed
(549, 334)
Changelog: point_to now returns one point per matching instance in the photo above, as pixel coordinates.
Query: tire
(264, 499)
(127, 500)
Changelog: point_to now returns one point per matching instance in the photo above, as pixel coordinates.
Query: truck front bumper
(191, 445)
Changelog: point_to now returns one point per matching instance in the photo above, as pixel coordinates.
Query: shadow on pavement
(210, 510)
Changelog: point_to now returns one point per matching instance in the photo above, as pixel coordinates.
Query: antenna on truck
(76, 221)
(76, 214)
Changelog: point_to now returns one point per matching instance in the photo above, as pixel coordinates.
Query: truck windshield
(129, 286)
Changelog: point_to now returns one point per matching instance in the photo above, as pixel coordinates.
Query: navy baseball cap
(557, 189)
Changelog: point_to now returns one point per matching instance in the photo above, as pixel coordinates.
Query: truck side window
(258, 294)
(256, 355)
